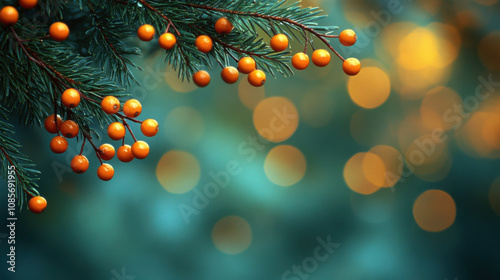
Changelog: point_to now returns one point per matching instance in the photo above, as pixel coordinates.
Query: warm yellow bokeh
(437, 109)
(374, 169)
(183, 127)
(232, 235)
(370, 88)
(434, 210)
(354, 176)
(422, 56)
(285, 165)
(494, 196)
(480, 135)
(178, 171)
(249, 95)
(316, 108)
(276, 119)
(392, 161)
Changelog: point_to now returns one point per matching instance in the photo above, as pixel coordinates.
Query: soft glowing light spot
(489, 52)
(392, 162)
(285, 165)
(480, 135)
(316, 108)
(178, 171)
(174, 81)
(183, 127)
(418, 49)
(429, 159)
(232, 235)
(276, 119)
(370, 88)
(494, 196)
(437, 108)
(249, 95)
(434, 210)
(354, 176)
(374, 169)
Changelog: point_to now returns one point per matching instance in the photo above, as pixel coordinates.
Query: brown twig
(276, 18)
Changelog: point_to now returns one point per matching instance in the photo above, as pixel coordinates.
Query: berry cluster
(116, 131)
(9, 15)
(132, 108)
(247, 65)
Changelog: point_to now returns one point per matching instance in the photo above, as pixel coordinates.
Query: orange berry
(246, 65)
(348, 37)
(69, 129)
(149, 127)
(204, 43)
(28, 4)
(223, 26)
(230, 75)
(300, 61)
(132, 108)
(167, 41)
(146, 32)
(124, 153)
(279, 42)
(140, 149)
(321, 58)
(37, 204)
(59, 31)
(351, 66)
(110, 104)
(201, 78)
(9, 15)
(71, 98)
(107, 151)
(257, 78)
(50, 124)
(79, 164)
(116, 131)
(105, 172)
(58, 144)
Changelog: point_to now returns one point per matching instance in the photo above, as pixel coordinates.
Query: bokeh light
(391, 166)
(249, 95)
(355, 177)
(437, 109)
(178, 171)
(232, 235)
(285, 165)
(434, 210)
(276, 119)
(370, 88)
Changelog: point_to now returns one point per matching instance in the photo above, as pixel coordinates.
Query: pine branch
(26, 176)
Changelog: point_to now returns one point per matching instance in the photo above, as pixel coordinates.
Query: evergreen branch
(290, 21)
(158, 12)
(108, 49)
(10, 156)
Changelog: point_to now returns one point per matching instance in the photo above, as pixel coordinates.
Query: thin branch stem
(320, 36)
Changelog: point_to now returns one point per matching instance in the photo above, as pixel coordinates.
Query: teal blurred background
(396, 168)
